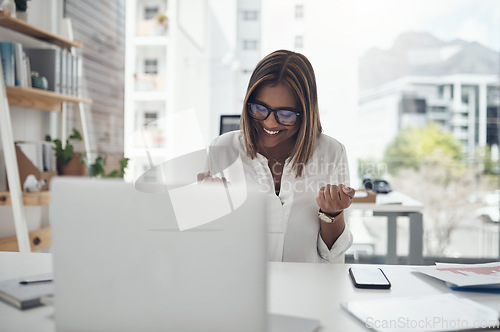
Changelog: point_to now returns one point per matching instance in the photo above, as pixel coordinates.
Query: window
(150, 12)
(462, 156)
(151, 66)
(150, 117)
(299, 42)
(299, 11)
(250, 45)
(250, 15)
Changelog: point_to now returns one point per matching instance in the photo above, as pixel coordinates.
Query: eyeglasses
(284, 116)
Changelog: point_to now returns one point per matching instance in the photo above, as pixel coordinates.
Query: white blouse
(294, 226)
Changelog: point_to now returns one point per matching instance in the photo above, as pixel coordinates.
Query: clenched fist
(207, 178)
(334, 199)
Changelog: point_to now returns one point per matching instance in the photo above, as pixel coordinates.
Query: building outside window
(299, 11)
(250, 44)
(150, 12)
(151, 66)
(299, 42)
(150, 118)
(250, 15)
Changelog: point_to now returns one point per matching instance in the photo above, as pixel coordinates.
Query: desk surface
(394, 201)
(299, 289)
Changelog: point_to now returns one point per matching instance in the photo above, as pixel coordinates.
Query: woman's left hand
(334, 199)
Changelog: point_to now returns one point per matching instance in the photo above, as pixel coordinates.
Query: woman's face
(271, 133)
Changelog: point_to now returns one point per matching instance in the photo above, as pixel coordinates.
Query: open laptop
(121, 263)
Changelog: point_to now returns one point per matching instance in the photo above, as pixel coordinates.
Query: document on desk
(465, 275)
(443, 312)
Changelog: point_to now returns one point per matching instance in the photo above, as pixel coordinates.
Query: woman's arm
(332, 200)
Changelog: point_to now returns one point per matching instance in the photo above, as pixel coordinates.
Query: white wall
(328, 28)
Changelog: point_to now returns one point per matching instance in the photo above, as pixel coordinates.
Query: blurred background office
(410, 87)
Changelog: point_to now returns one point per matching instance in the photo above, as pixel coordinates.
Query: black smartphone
(369, 277)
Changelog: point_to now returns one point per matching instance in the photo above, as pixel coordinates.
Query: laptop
(122, 264)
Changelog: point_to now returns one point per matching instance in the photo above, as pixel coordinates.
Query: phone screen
(369, 277)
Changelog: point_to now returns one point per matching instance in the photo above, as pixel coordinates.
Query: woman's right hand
(205, 177)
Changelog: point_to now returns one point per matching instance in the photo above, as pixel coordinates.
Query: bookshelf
(40, 99)
(36, 99)
(33, 199)
(26, 29)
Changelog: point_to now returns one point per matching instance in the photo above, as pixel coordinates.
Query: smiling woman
(280, 138)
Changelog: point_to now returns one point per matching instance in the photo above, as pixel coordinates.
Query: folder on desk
(26, 296)
(466, 277)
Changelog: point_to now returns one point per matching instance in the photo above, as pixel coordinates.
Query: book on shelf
(29, 294)
(61, 68)
(79, 73)
(74, 75)
(7, 53)
(27, 65)
(3, 173)
(21, 75)
(64, 69)
(68, 72)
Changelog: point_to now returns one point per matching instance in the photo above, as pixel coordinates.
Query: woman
(302, 171)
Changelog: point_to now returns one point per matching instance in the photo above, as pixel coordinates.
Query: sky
(379, 22)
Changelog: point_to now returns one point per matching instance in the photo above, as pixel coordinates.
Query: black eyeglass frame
(275, 111)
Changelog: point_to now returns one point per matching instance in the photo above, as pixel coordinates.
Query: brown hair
(294, 71)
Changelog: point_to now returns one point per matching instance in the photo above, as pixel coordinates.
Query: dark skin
(276, 142)
(276, 147)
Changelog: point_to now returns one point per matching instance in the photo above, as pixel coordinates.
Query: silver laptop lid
(121, 263)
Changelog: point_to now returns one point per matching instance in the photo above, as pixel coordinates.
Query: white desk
(306, 290)
(393, 205)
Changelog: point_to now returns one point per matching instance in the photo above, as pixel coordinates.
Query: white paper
(443, 312)
(464, 274)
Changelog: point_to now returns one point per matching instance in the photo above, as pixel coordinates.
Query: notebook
(121, 263)
(26, 293)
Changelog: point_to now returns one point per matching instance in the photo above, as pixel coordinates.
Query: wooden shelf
(20, 26)
(40, 99)
(39, 239)
(34, 199)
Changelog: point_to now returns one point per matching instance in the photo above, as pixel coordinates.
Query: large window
(150, 12)
(250, 44)
(250, 15)
(150, 118)
(426, 119)
(299, 42)
(151, 66)
(299, 11)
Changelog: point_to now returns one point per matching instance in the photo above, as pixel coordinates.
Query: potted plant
(162, 19)
(160, 28)
(97, 169)
(68, 161)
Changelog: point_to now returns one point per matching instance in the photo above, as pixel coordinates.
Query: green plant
(162, 19)
(64, 154)
(96, 169)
